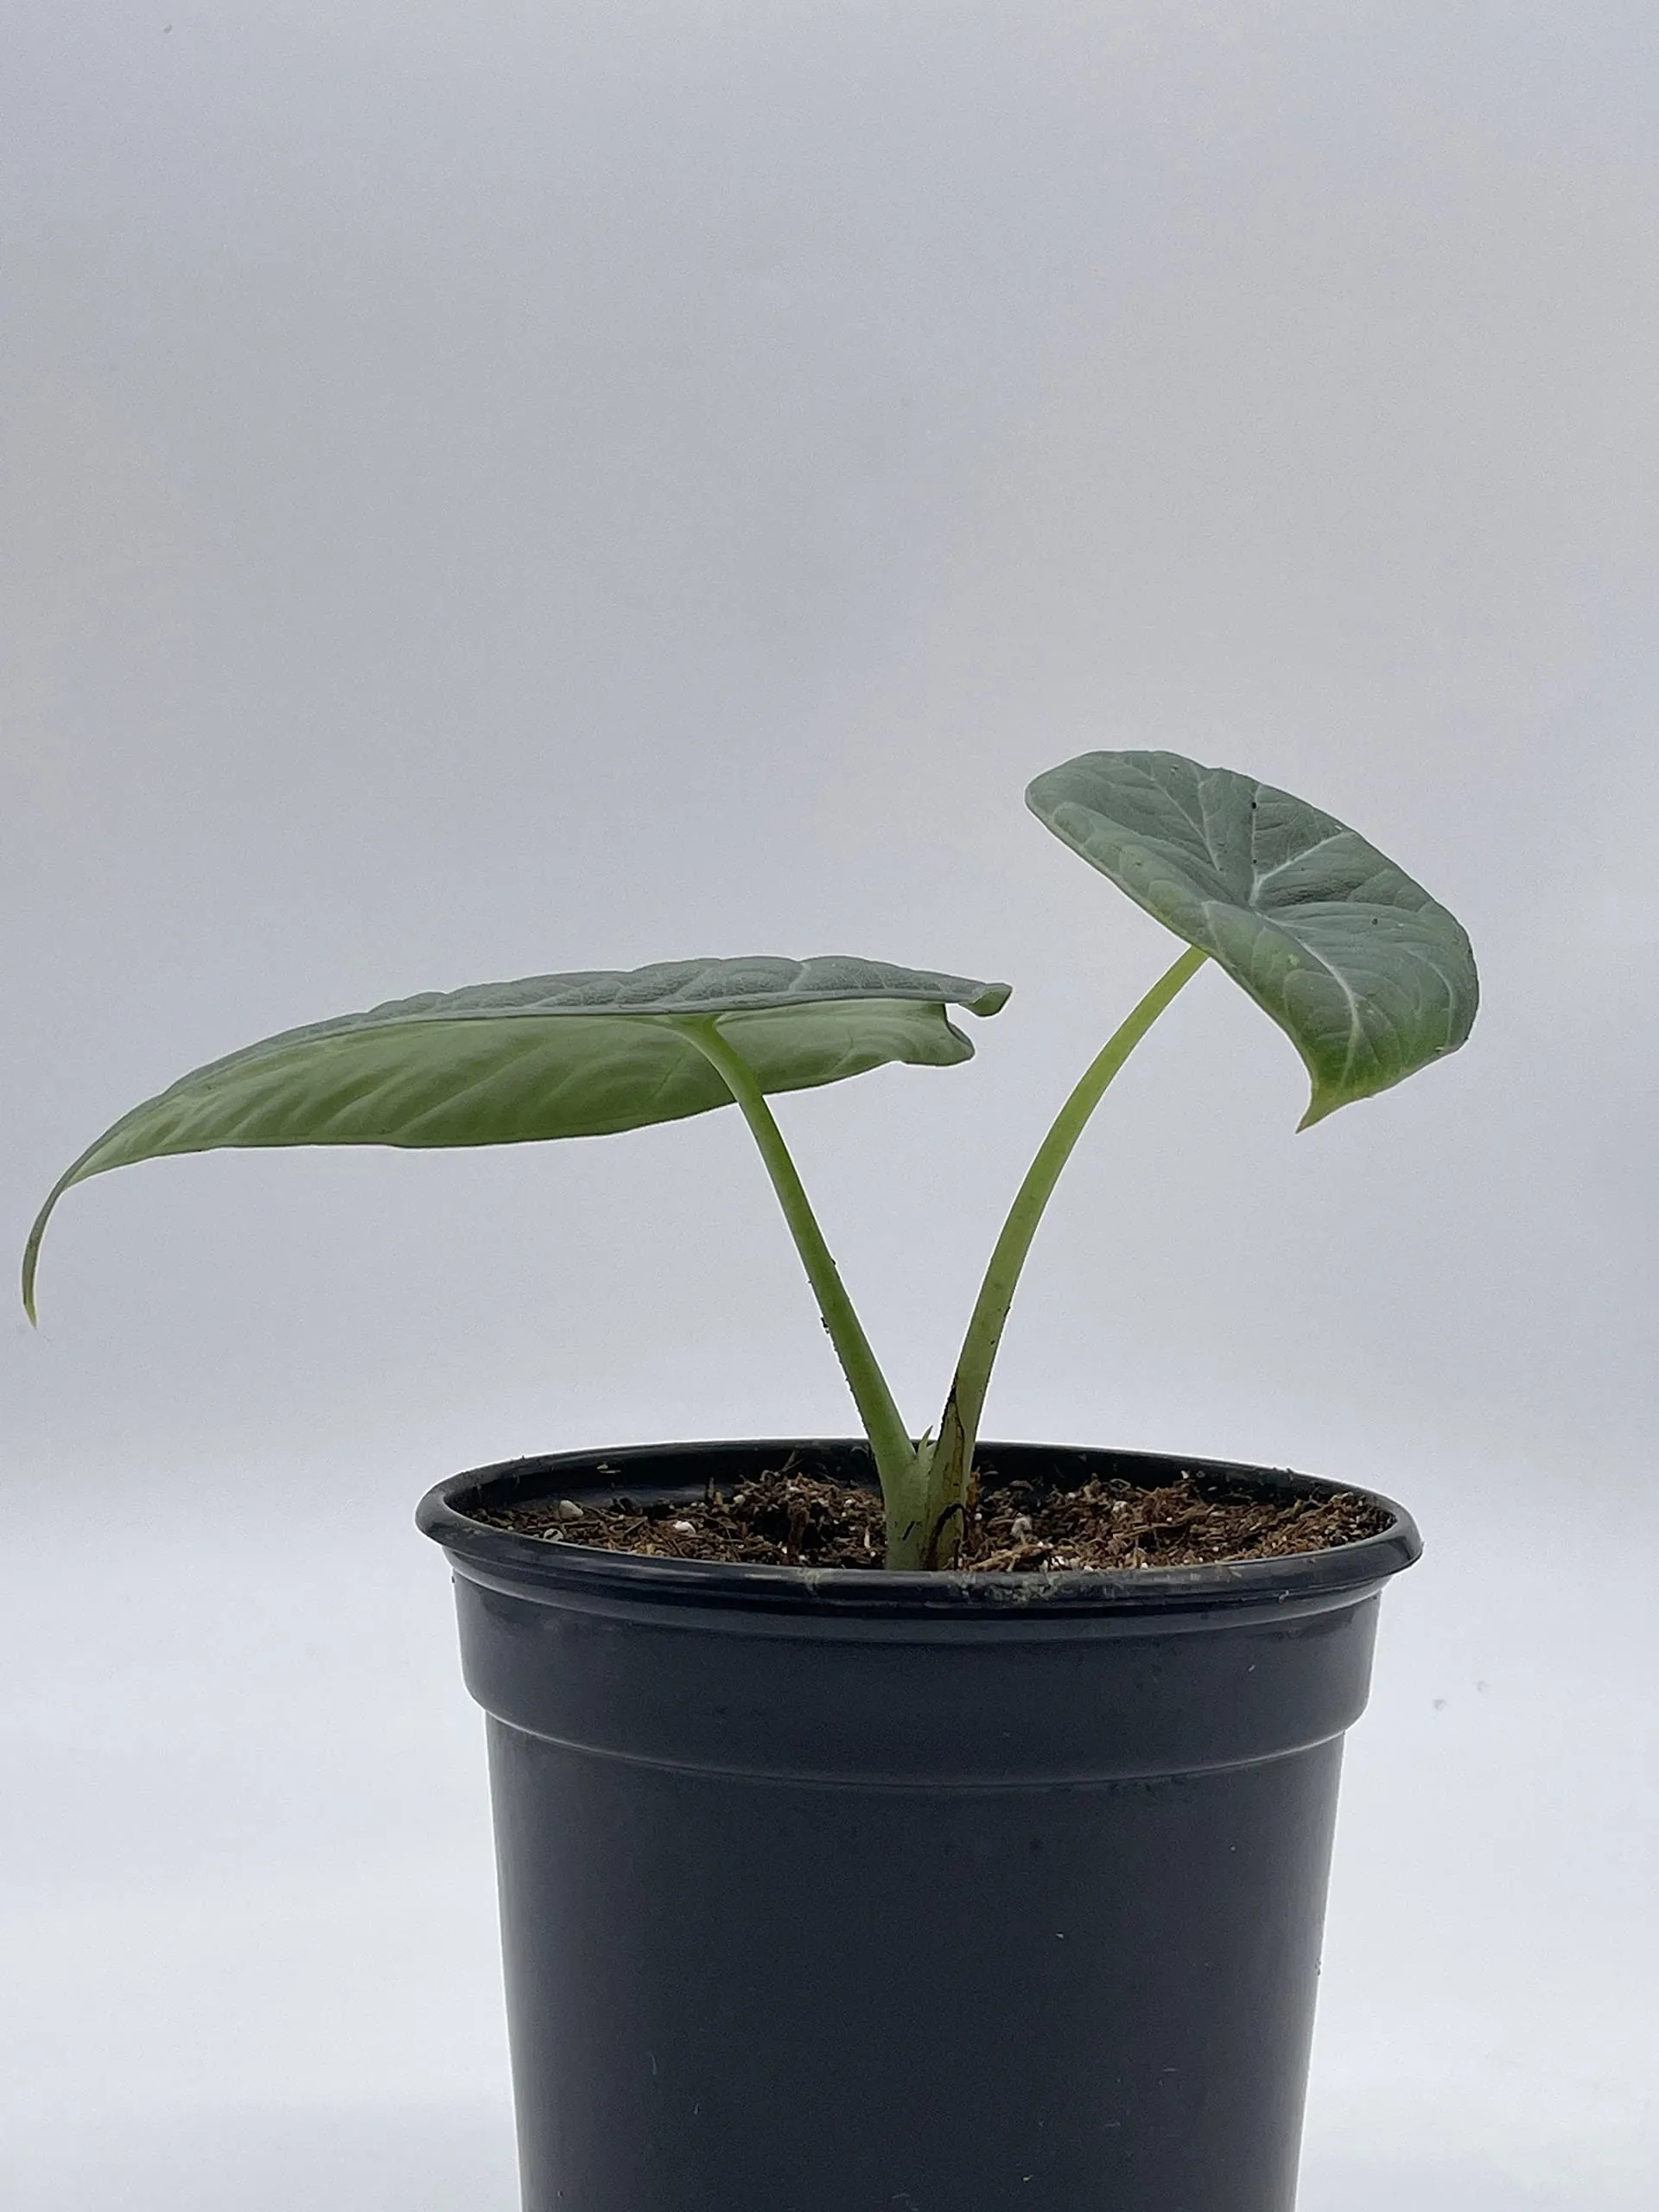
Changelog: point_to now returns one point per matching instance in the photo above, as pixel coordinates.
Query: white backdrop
(531, 487)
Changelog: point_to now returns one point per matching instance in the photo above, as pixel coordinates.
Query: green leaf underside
(1370, 977)
(588, 1054)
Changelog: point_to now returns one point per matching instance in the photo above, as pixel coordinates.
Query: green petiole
(925, 1487)
(895, 1455)
(952, 1456)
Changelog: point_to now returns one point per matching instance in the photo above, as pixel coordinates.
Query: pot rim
(509, 1559)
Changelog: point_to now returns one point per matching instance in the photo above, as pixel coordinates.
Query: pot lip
(506, 1559)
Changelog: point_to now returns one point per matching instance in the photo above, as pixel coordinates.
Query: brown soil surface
(797, 1520)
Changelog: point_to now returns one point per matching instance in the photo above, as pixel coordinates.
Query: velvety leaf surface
(550, 1055)
(1369, 976)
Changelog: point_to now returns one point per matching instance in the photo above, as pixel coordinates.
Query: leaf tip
(1320, 1107)
(32, 1256)
(991, 1000)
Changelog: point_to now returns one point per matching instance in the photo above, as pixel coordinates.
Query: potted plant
(892, 1823)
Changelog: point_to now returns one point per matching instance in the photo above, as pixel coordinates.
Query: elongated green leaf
(550, 1056)
(1369, 977)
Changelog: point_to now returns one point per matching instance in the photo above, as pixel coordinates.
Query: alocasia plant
(1369, 977)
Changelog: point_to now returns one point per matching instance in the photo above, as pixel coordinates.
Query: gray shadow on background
(1332, 2185)
(386, 2159)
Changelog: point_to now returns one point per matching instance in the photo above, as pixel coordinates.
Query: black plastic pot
(851, 1891)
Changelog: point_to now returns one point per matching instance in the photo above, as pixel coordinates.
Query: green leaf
(1369, 977)
(550, 1056)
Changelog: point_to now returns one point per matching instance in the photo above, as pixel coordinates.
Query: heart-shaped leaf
(550, 1056)
(1369, 977)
